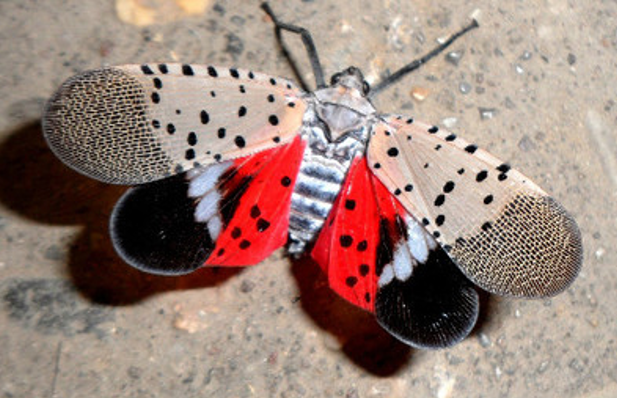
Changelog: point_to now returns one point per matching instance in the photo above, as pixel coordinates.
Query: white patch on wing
(407, 255)
(386, 275)
(204, 180)
(207, 206)
(214, 227)
(403, 262)
(420, 243)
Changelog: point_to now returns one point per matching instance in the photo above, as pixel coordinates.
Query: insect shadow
(42, 189)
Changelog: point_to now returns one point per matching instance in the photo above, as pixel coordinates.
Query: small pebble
(419, 93)
(247, 286)
(571, 59)
(464, 88)
(487, 113)
(519, 69)
(449, 122)
(454, 57)
(485, 341)
(526, 144)
(525, 56)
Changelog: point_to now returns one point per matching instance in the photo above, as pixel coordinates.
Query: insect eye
(365, 87)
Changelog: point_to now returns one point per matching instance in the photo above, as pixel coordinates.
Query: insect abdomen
(319, 182)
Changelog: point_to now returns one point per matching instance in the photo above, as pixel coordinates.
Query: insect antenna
(399, 74)
(308, 43)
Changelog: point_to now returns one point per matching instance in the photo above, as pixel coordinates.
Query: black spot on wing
(435, 308)
(345, 240)
(255, 211)
(481, 176)
(351, 281)
(362, 246)
(192, 138)
(187, 70)
(153, 228)
(262, 224)
(146, 70)
(285, 181)
(273, 120)
(393, 152)
(448, 187)
(471, 148)
(240, 142)
(350, 204)
(204, 117)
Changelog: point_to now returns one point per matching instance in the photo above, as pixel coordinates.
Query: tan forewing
(138, 123)
(503, 231)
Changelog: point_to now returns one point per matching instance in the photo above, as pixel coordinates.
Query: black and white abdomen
(322, 173)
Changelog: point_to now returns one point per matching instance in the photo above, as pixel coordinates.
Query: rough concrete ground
(535, 86)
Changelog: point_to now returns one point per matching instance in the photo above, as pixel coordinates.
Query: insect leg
(308, 43)
(396, 76)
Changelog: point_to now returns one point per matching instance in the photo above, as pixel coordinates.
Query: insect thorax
(335, 134)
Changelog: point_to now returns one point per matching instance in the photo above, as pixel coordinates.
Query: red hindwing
(255, 205)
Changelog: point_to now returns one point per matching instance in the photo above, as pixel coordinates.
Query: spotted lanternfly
(230, 165)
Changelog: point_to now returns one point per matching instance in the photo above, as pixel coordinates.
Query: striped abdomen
(322, 173)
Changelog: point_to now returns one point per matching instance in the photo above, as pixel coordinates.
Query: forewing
(503, 231)
(232, 213)
(139, 123)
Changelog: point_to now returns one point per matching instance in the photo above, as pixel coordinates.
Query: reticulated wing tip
(533, 249)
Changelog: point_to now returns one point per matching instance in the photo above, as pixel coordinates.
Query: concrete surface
(535, 86)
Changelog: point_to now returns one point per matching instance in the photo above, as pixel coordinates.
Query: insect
(229, 165)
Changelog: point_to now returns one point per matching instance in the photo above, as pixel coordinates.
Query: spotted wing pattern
(346, 247)
(504, 232)
(139, 123)
(255, 199)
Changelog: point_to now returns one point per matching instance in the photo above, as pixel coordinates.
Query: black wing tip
(152, 228)
(437, 307)
(435, 329)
